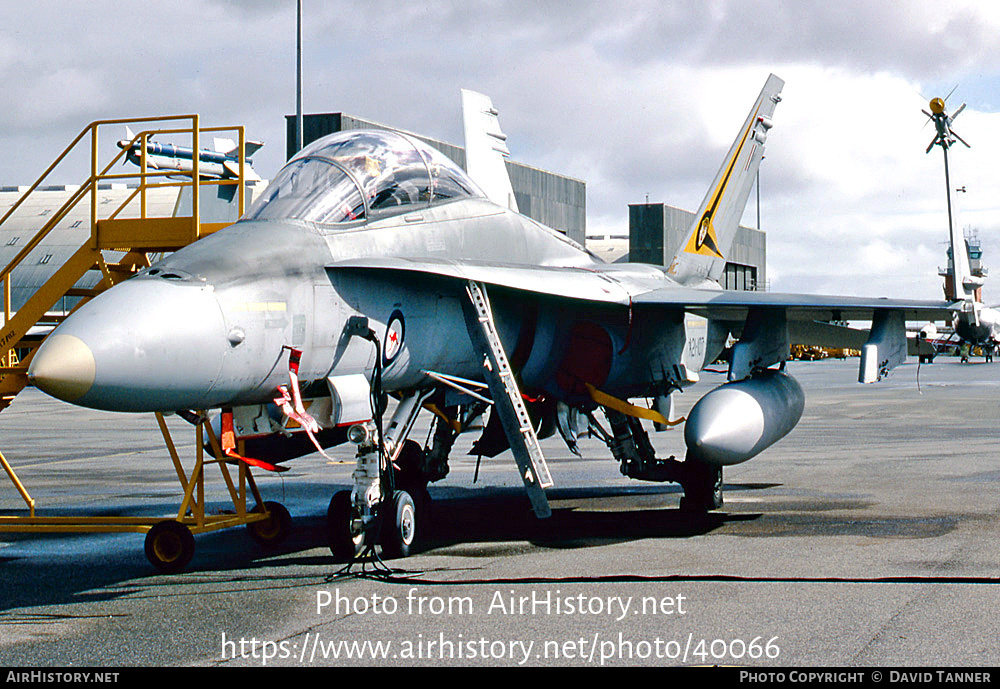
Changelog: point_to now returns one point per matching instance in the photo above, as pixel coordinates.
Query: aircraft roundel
(394, 333)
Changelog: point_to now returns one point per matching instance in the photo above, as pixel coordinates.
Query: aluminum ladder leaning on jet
(393, 272)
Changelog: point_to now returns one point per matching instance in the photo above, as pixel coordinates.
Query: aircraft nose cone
(147, 344)
(64, 367)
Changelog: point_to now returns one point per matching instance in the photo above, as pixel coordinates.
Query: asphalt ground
(867, 537)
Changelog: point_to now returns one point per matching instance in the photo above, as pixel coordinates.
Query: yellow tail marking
(704, 241)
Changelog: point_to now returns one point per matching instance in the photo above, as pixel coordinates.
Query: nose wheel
(344, 532)
(399, 534)
(347, 537)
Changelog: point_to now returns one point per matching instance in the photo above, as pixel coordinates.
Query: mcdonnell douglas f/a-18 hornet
(374, 267)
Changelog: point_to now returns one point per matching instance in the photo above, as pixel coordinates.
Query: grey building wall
(554, 200)
(656, 232)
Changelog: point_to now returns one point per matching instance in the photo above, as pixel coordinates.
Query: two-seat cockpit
(356, 175)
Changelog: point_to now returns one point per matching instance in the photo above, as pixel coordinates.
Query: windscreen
(310, 189)
(360, 174)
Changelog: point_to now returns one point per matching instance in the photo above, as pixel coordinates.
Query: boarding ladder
(507, 400)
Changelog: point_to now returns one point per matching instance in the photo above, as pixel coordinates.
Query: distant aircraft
(374, 266)
(221, 163)
(985, 333)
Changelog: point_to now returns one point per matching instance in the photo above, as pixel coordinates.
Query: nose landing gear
(389, 503)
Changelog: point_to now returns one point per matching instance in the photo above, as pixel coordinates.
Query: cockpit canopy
(360, 174)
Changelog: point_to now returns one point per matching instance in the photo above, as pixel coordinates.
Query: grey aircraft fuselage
(206, 326)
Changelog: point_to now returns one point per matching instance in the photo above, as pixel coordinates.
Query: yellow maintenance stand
(118, 247)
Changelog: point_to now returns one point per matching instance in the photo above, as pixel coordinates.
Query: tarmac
(866, 538)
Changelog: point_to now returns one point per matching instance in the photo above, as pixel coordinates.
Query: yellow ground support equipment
(119, 247)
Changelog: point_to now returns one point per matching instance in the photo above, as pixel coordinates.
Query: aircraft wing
(734, 305)
(625, 287)
(571, 283)
(765, 321)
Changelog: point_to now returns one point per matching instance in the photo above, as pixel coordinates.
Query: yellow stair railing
(134, 237)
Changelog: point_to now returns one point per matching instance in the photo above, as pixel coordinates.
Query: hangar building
(74, 229)
(656, 232)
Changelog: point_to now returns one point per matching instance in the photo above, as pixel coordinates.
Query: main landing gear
(629, 443)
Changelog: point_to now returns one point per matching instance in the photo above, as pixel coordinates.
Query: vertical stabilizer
(703, 254)
(964, 283)
(486, 149)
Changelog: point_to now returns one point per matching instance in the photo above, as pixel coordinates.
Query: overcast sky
(633, 97)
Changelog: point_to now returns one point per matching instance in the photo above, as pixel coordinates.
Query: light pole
(298, 78)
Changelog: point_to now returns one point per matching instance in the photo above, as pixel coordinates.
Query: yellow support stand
(169, 542)
(268, 522)
(136, 237)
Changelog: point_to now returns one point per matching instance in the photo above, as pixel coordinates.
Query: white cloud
(645, 99)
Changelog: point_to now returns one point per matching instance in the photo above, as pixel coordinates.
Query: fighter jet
(375, 267)
(220, 163)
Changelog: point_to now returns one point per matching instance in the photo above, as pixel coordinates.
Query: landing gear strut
(629, 443)
(389, 499)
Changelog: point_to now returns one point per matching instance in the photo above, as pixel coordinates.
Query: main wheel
(272, 531)
(400, 532)
(702, 487)
(344, 540)
(169, 546)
